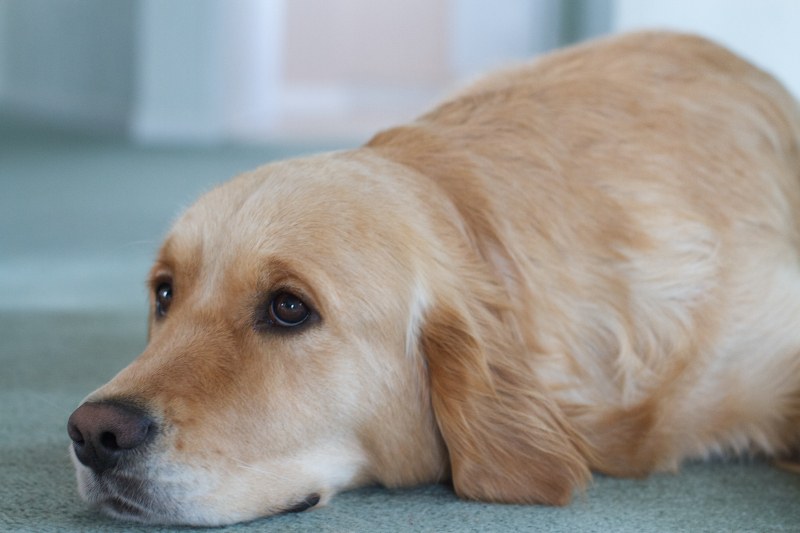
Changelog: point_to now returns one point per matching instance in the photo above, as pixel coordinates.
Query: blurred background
(114, 114)
(192, 71)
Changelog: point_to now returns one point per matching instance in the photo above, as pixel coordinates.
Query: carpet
(80, 218)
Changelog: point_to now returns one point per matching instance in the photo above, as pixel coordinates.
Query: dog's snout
(103, 432)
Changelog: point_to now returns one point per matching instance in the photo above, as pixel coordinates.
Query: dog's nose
(103, 432)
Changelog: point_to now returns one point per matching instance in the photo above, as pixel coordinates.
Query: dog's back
(640, 199)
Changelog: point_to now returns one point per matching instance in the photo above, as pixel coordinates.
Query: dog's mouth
(126, 493)
(303, 505)
(126, 497)
(122, 503)
(121, 508)
(149, 496)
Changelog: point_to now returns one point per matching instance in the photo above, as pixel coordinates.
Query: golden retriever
(587, 263)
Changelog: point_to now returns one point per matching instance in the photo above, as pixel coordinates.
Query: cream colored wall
(364, 41)
(354, 66)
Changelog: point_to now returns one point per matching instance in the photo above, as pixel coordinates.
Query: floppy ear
(507, 441)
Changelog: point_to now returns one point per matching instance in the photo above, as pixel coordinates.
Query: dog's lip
(125, 496)
(303, 505)
(123, 508)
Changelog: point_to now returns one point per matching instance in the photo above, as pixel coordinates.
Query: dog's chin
(176, 498)
(127, 496)
(132, 510)
(131, 495)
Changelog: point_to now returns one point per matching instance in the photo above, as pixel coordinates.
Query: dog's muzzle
(110, 440)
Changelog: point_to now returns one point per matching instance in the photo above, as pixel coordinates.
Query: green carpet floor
(80, 219)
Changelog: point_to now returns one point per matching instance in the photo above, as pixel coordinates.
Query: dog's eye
(287, 310)
(163, 299)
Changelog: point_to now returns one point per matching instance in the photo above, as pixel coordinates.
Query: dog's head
(317, 325)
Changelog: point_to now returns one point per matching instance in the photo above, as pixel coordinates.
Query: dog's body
(588, 263)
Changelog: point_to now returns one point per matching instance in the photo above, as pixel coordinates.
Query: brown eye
(287, 310)
(163, 299)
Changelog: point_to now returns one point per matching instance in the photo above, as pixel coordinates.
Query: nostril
(109, 441)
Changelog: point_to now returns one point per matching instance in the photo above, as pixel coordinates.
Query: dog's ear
(507, 441)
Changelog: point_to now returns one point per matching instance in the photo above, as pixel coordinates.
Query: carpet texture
(80, 219)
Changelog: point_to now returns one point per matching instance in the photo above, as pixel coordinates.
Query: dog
(589, 263)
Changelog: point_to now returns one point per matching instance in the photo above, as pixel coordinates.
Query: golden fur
(587, 263)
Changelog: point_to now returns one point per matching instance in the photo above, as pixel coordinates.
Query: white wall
(487, 34)
(767, 32)
(178, 85)
(207, 69)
